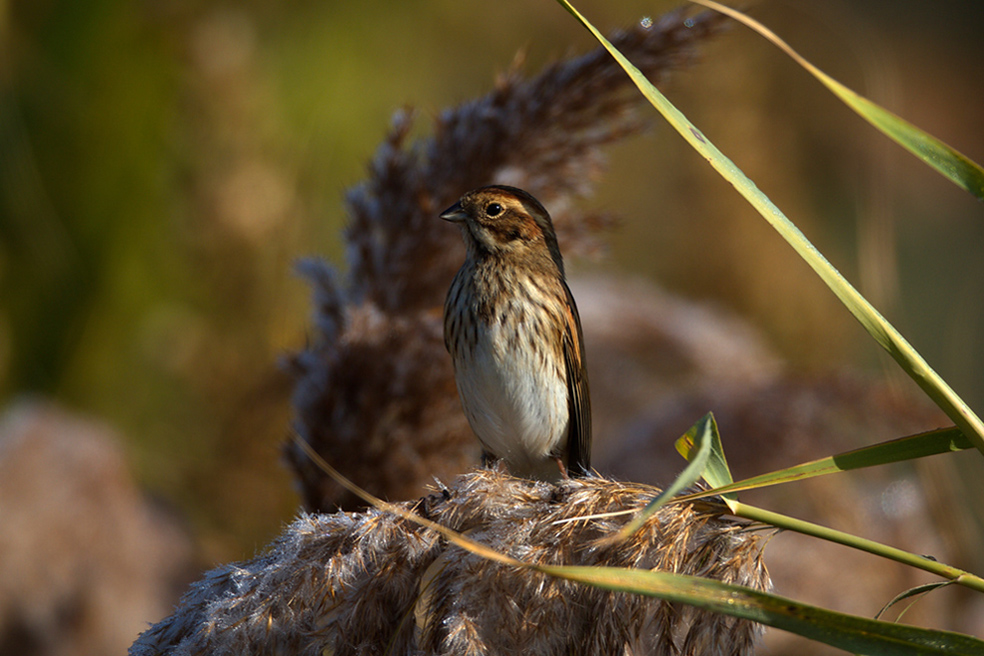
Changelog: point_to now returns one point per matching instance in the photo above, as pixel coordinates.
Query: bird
(514, 335)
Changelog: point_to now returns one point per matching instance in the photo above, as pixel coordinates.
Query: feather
(578, 396)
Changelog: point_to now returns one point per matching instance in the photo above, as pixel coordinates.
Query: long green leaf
(879, 328)
(948, 161)
(931, 443)
(848, 632)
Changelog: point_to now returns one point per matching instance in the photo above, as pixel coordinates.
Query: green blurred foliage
(162, 164)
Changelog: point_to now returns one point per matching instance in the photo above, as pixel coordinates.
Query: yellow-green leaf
(716, 472)
(931, 443)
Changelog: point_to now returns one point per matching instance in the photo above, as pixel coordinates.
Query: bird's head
(505, 221)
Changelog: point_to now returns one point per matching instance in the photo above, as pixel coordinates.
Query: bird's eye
(493, 209)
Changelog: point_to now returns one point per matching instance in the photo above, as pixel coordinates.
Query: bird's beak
(455, 214)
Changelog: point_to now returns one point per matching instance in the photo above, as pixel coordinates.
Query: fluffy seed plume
(373, 583)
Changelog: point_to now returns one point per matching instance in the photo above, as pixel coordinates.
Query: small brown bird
(514, 335)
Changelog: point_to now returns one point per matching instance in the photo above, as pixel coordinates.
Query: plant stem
(832, 535)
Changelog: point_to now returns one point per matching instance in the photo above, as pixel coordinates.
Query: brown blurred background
(163, 164)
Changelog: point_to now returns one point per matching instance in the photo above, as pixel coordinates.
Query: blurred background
(164, 164)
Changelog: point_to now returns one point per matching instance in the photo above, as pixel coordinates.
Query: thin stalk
(832, 535)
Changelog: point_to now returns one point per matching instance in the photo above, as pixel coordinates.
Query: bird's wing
(578, 398)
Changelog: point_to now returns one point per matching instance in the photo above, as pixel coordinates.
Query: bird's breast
(506, 347)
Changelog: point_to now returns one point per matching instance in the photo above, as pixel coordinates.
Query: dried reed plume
(375, 393)
(374, 583)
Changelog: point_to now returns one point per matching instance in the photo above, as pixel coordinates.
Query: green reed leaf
(848, 632)
(942, 440)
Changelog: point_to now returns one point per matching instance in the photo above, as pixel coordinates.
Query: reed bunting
(514, 335)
